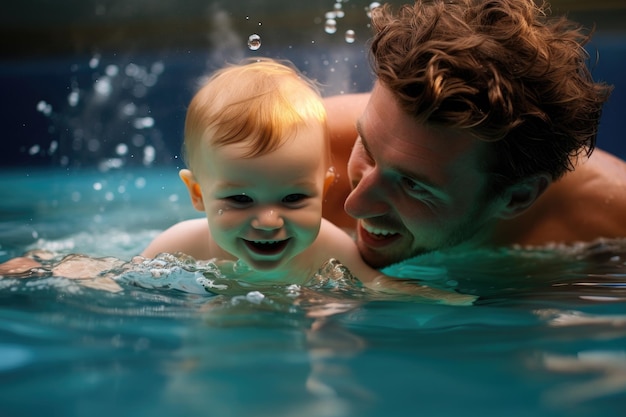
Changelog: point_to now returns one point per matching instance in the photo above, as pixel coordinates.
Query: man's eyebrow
(359, 130)
(427, 183)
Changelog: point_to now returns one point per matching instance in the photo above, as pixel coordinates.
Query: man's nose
(368, 197)
(268, 219)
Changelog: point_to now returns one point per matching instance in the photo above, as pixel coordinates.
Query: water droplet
(73, 97)
(140, 182)
(220, 212)
(44, 108)
(338, 8)
(112, 70)
(254, 42)
(121, 149)
(149, 154)
(34, 150)
(157, 68)
(94, 61)
(350, 36)
(129, 109)
(331, 26)
(103, 86)
(143, 122)
(371, 7)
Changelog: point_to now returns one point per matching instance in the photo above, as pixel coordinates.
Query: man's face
(415, 188)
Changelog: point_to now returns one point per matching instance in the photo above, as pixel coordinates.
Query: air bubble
(149, 154)
(44, 108)
(112, 70)
(73, 97)
(331, 26)
(350, 36)
(254, 42)
(94, 61)
(34, 150)
(371, 7)
(121, 149)
(140, 182)
(143, 122)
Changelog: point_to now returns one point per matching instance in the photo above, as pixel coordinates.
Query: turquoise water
(95, 100)
(546, 338)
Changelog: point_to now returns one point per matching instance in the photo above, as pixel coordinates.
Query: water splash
(97, 92)
(254, 42)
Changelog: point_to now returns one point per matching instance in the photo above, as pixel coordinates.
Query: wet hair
(501, 70)
(260, 103)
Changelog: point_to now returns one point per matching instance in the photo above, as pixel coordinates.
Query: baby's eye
(239, 199)
(294, 198)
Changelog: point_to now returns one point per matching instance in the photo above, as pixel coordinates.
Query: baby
(258, 154)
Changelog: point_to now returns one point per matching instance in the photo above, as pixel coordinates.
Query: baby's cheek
(227, 220)
(308, 221)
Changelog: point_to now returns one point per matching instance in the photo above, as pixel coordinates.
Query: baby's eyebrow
(230, 184)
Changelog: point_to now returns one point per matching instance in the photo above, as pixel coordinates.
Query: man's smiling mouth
(376, 231)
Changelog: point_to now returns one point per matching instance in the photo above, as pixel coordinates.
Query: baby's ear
(330, 178)
(193, 187)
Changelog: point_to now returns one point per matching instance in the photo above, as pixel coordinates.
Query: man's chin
(376, 258)
(378, 251)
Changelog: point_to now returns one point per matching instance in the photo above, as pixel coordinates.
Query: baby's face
(266, 209)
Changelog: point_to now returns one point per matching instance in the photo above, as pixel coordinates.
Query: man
(478, 133)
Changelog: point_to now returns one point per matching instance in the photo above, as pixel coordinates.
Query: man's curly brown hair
(502, 70)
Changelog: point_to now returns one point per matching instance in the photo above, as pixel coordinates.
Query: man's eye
(239, 199)
(414, 188)
(294, 198)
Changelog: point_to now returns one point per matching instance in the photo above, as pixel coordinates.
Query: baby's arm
(335, 243)
(190, 237)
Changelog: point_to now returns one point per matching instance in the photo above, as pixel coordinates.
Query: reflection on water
(97, 334)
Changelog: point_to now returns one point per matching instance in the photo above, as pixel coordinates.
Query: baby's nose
(268, 219)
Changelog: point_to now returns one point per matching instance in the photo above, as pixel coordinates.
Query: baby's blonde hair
(262, 102)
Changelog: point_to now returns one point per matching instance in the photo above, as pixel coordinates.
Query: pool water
(95, 102)
(546, 338)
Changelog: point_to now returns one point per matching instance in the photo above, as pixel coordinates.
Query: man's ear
(193, 187)
(329, 179)
(518, 197)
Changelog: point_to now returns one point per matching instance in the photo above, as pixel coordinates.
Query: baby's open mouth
(266, 247)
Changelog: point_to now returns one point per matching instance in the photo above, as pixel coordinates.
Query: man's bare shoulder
(600, 181)
(586, 204)
(191, 237)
